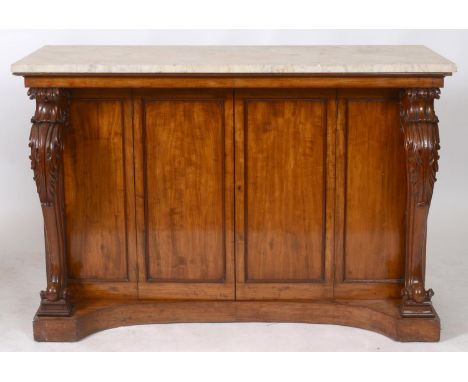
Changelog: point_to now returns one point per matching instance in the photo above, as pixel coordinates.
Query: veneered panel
(184, 162)
(375, 192)
(285, 189)
(95, 191)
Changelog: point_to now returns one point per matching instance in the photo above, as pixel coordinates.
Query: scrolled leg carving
(420, 127)
(46, 143)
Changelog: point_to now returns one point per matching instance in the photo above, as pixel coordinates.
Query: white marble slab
(234, 59)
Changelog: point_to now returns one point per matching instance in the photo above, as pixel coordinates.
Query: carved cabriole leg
(46, 143)
(420, 127)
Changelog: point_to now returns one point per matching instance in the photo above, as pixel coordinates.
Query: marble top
(234, 59)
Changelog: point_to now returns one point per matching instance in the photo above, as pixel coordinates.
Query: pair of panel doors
(235, 194)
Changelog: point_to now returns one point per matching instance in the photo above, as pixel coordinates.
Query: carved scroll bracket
(420, 128)
(46, 143)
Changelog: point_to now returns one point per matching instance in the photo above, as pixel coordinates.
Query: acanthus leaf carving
(420, 127)
(421, 134)
(46, 143)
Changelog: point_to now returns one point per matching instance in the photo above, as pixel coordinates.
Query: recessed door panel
(282, 141)
(186, 177)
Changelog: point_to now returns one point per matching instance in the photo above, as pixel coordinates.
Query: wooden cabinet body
(235, 194)
(224, 197)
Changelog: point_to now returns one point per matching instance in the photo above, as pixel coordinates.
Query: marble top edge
(211, 59)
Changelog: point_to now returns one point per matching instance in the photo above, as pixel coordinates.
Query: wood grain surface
(186, 177)
(282, 140)
(95, 190)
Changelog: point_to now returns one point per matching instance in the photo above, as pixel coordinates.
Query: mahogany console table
(220, 184)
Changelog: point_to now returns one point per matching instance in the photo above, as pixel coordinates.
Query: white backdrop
(21, 236)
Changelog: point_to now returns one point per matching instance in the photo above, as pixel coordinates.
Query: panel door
(99, 194)
(184, 161)
(371, 195)
(284, 193)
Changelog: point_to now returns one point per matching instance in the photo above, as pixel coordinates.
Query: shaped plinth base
(91, 316)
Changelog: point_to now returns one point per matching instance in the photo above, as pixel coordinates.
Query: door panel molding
(293, 278)
(369, 193)
(176, 259)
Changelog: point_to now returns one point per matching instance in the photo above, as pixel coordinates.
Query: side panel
(371, 195)
(99, 194)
